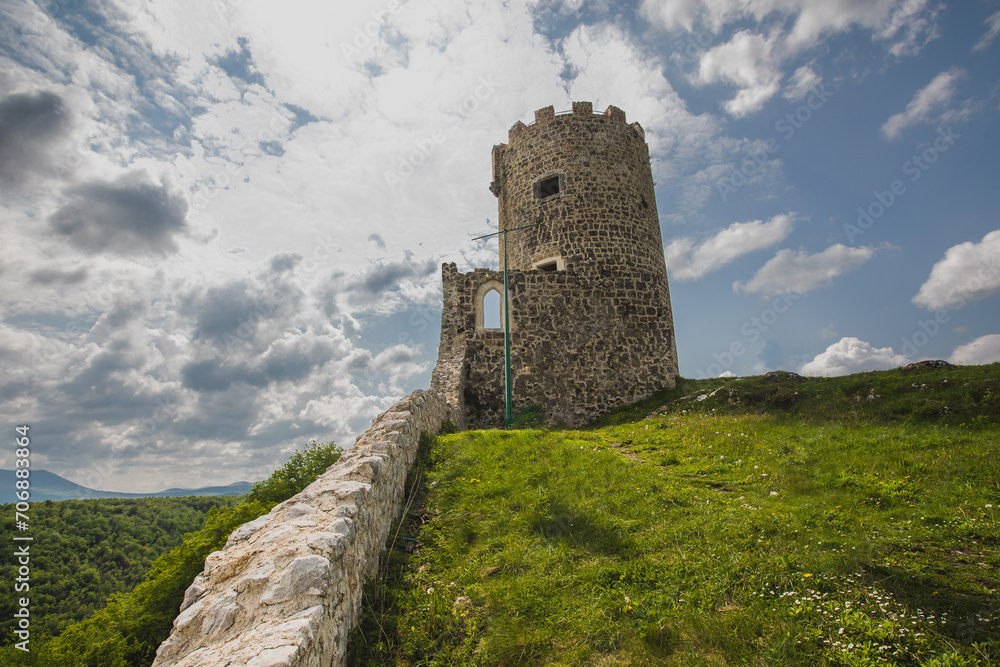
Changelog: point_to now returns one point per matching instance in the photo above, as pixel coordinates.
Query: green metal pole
(508, 389)
(506, 338)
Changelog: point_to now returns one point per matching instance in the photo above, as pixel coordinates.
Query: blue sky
(224, 222)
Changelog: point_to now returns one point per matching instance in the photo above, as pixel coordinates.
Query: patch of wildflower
(852, 620)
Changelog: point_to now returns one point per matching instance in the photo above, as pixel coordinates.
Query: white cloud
(797, 271)
(929, 104)
(748, 61)
(851, 355)
(908, 26)
(809, 19)
(983, 350)
(752, 61)
(967, 272)
(727, 374)
(801, 82)
(689, 260)
(992, 30)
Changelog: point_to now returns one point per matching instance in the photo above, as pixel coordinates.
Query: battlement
(580, 110)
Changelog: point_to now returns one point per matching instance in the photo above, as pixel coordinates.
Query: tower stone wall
(590, 318)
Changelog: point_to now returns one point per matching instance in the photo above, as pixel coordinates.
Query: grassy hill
(774, 520)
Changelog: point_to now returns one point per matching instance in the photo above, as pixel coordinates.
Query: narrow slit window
(548, 266)
(548, 187)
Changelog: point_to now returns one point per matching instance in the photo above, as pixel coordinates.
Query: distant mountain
(46, 485)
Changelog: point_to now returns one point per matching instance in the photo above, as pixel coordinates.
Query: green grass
(828, 530)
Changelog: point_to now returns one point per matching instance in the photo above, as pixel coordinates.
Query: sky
(223, 222)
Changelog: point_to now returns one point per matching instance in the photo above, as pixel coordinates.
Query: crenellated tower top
(585, 179)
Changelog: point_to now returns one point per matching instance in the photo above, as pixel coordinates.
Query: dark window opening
(548, 187)
(548, 266)
(644, 204)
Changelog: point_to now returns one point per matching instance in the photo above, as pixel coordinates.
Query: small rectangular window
(548, 187)
(550, 264)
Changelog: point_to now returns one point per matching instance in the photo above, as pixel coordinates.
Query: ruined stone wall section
(582, 344)
(286, 589)
(469, 370)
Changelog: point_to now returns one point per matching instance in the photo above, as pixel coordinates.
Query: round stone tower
(585, 179)
(591, 327)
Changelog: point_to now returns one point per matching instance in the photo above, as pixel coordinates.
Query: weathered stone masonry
(591, 323)
(286, 589)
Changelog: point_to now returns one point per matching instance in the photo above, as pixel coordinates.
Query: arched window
(489, 306)
(491, 310)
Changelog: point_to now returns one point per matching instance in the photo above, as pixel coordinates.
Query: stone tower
(590, 318)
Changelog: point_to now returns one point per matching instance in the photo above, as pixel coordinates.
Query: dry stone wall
(286, 589)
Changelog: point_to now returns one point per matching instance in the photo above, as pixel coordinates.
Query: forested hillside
(129, 625)
(85, 550)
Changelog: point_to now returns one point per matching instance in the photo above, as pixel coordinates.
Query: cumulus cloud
(851, 355)
(747, 61)
(386, 275)
(983, 350)
(280, 363)
(797, 271)
(967, 272)
(929, 104)
(130, 216)
(242, 313)
(992, 30)
(752, 59)
(30, 124)
(688, 259)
